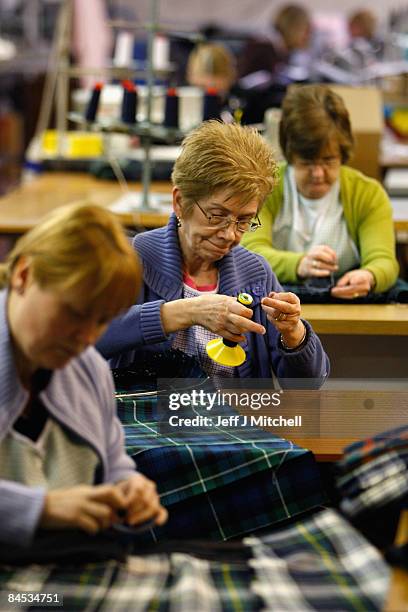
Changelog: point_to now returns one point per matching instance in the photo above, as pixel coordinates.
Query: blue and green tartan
(219, 484)
(373, 473)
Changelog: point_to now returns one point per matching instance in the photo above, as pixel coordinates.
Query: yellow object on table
(76, 144)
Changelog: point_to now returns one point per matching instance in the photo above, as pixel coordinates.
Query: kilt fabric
(219, 483)
(320, 563)
(373, 473)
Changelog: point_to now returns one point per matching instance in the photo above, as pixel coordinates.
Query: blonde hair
(211, 60)
(217, 156)
(80, 245)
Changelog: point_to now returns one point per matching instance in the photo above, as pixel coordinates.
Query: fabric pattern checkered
(194, 340)
(374, 472)
(321, 563)
(219, 483)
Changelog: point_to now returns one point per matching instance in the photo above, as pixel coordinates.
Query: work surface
(358, 319)
(22, 209)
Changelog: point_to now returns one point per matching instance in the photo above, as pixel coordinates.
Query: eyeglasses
(221, 222)
(327, 163)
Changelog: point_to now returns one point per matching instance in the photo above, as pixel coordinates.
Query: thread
(123, 50)
(129, 102)
(92, 108)
(212, 104)
(171, 109)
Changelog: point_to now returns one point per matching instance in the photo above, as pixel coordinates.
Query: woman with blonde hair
(62, 459)
(211, 65)
(194, 268)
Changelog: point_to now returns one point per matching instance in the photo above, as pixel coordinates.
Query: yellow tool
(224, 351)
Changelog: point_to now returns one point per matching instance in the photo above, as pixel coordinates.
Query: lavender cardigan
(79, 397)
(240, 270)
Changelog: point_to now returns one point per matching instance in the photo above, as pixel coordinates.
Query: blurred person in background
(325, 220)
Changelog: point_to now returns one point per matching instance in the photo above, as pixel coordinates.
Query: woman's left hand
(283, 310)
(353, 284)
(142, 500)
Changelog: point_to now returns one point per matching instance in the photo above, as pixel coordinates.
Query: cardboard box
(395, 89)
(367, 122)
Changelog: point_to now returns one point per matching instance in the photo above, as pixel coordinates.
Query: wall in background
(248, 14)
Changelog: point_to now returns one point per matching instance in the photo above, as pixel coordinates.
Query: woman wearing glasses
(194, 268)
(325, 219)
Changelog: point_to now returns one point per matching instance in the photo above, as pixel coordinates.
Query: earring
(178, 222)
(19, 289)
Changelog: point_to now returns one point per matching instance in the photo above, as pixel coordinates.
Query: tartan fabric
(321, 564)
(365, 450)
(220, 484)
(154, 582)
(374, 473)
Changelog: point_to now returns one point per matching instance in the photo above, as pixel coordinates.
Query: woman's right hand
(90, 508)
(221, 314)
(224, 316)
(320, 260)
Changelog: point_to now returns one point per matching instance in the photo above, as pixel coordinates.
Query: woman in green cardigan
(325, 219)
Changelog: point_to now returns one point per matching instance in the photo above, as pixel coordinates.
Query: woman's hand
(221, 314)
(142, 500)
(354, 284)
(224, 316)
(90, 508)
(320, 260)
(283, 310)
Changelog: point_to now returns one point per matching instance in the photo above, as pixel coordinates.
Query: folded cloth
(372, 481)
(375, 484)
(366, 450)
(219, 482)
(320, 563)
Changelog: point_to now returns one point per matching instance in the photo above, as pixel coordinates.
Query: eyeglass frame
(228, 220)
(331, 163)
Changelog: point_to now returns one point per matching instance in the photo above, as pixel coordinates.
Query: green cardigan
(368, 215)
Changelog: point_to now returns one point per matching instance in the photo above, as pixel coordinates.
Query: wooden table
(333, 417)
(362, 340)
(358, 319)
(23, 208)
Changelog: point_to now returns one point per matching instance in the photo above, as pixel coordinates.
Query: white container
(190, 110)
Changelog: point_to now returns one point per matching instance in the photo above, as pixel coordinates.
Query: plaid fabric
(318, 564)
(374, 472)
(365, 450)
(220, 483)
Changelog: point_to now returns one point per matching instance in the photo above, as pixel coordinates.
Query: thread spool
(92, 108)
(129, 102)
(123, 55)
(226, 352)
(212, 104)
(160, 52)
(171, 109)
